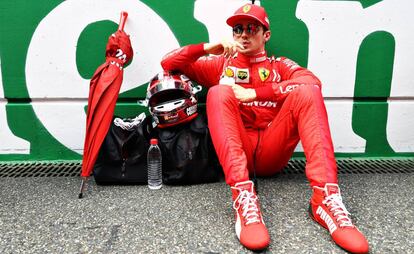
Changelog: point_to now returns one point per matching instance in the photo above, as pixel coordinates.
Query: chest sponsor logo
(263, 73)
(242, 76)
(266, 104)
(229, 72)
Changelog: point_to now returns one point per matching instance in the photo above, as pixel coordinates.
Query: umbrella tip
(83, 186)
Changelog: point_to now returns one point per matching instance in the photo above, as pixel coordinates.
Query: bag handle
(129, 124)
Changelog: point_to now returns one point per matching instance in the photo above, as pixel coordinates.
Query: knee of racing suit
(221, 94)
(305, 95)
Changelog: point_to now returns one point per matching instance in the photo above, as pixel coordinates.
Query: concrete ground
(44, 215)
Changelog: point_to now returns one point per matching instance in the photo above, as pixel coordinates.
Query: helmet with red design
(171, 99)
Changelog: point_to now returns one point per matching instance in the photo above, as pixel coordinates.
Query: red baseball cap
(250, 11)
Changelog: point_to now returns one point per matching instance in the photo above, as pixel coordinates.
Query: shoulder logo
(291, 64)
(263, 73)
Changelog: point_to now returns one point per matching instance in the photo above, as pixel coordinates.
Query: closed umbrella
(103, 94)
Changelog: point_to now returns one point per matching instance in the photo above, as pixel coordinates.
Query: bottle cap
(154, 141)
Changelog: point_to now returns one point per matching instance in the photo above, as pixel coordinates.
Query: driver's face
(251, 35)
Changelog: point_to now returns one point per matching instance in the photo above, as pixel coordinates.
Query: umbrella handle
(122, 20)
(83, 186)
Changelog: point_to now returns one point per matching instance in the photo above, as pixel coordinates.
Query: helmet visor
(166, 84)
(169, 106)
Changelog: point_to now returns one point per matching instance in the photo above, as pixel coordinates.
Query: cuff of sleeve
(196, 50)
(264, 93)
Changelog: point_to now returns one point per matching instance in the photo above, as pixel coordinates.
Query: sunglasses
(251, 29)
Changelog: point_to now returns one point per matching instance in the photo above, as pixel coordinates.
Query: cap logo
(246, 8)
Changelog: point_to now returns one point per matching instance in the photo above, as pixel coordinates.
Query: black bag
(122, 158)
(188, 155)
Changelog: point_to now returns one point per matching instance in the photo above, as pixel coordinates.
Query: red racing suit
(260, 136)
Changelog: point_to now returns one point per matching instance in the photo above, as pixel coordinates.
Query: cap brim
(235, 18)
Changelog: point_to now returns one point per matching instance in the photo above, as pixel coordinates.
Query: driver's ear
(267, 36)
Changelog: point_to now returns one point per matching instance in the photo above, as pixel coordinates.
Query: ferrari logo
(263, 73)
(246, 8)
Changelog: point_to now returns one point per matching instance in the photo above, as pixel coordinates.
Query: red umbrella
(103, 94)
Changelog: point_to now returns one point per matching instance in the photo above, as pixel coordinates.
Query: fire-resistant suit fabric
(261, 135)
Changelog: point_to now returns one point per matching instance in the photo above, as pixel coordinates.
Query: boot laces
(248, 201)
(334, 201)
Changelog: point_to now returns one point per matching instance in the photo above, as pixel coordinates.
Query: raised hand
(226, 47)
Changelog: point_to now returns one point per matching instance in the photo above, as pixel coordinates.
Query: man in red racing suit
(258, 109)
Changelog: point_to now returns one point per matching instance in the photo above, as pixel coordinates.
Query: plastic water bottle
(154, 162)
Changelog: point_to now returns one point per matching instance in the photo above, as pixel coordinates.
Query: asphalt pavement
(44, 215)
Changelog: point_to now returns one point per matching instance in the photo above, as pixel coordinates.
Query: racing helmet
(171, 99)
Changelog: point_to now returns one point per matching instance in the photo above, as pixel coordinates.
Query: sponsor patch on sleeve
(291, 64)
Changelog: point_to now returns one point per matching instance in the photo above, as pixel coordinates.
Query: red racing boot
(250, 228)
(327, 209)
